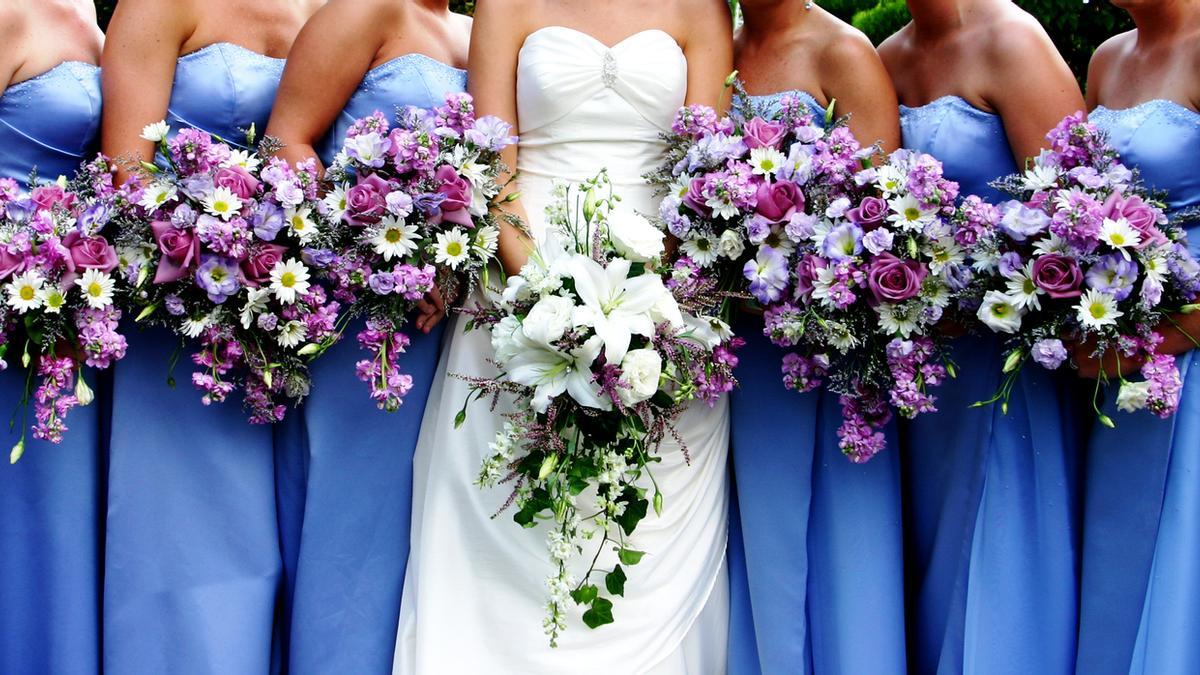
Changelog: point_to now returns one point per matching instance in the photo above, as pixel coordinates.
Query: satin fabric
(1141, 553)
(192, 561)
(345, 492)
(50, 513)
(991, 498)
(815, 552)
(474, 596)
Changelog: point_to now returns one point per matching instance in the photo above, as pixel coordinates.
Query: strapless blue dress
(344, 466)
(50, 514)
(1140, 610)
(991, 499)
(815, 545)
(193, 566)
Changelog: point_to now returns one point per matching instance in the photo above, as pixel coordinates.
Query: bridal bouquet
(229, 264)
(853, 265)
(1083, 254)
(602, 359)
(410, 211)
(60, 278)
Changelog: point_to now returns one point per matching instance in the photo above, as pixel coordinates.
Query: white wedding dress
(475, 594)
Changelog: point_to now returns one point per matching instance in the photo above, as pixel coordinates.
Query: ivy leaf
(585, 595)
(599, 614)
(614, 581)
(635, 510)
(630, 556)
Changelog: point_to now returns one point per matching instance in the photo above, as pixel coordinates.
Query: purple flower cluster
(388, 384)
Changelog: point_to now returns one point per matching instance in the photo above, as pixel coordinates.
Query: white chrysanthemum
(899, 319)
(222, 203)
(935, 293)
(245, 159)
(53, 299)
(292, 333)
(25, 291)
(999, 313)
(97, 288)
(487, 240)
(944, 252)
(840, 336)
(1120, 235)
(1154, 262)
(301, 224)
(908, 215)
(822, 284)
(1040, 177)
(289, 279)
(890, 179)
(1022, 291)
(256, 303)
(194, 327)
(700, 248)
(1053, 244)
(1097, 310)
(393, 238)
(766, 161)
(451, 248)
(157, 132)
(156, 195)
(335, 203)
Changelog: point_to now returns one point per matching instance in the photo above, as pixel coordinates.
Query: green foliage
(104, 9)
(462, 6)
(880, 21)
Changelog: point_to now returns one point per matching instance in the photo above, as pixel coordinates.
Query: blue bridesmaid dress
(991, 513)
(344, 465)
(192, 558)
(1140, 610)
(815, 546)
(50, 518)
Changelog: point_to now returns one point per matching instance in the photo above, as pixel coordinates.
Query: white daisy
(222, 203)
(899, 319)
(766, 161)
(700, 248)
(451, 248)
(156, 195)
(1040, 177)
(944, 252)
(289, 279)
(1154, 262)
(840, 336)
(194, 327)
(157, 132)
(1120, 235)
(245, 159)
(334, 203)
(301, 224)
(1097, 310)
(487, 240)
(1055, 244)
(97, 288)
(908, 215)
(890, 179)
(25, 291)
(1022, 291)
(256, 303)
(292, 333)
(393, 238)
(53, 299)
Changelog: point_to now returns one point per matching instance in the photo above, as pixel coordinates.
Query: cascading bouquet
(410, 212)
(601, 358)
(60, 278)
(1082, 254)
(853, 265)
(228, 263)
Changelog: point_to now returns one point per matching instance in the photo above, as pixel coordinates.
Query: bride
(589, 85)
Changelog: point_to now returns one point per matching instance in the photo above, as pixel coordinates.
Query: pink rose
(869, 213)
(238, 181)
(894, 280)
(760, 133)
(10, 263)
(778, 201)
(1140, 215)
(256, 269)
(180, 249)
(457, 192)
(695, 199)
(806, 273)
(47, 196)
(1058, 275)
(366, 202)
(90, 253)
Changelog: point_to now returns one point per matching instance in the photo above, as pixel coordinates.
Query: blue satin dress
(193, 567)
(50, 514)
(1140, 609)
(991, 499)
(344, 466)
(815, 546)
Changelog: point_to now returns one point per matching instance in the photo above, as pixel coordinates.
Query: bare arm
(143, 43)
(709, 51)
(853, 75)
(12, 36)
(316, 87)
(496, 38)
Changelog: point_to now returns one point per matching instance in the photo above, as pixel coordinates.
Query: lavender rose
(179, 248)
(695, 199)
(894, 280)
(366, 202)
(238, 181)
(869, 213)
(806, 273)
(760, 133)
(255, 270)
(455, 208)
(779, 200)
(1058, 275)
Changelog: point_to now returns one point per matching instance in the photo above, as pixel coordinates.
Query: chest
(265, 26)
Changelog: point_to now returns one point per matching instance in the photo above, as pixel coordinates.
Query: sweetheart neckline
(950, 98)
(418, 56)
(617, 45)
(47, 73)
(1152, 102)
(235, 45)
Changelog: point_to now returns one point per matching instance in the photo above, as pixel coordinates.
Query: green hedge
(104, 8)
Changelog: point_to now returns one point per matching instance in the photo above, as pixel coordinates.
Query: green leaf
(635, 510)
(599, 614)
(584, 595)
(614, 581)
(630, 556)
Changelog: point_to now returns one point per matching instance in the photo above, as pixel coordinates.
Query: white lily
(551, 372)
(616, 306)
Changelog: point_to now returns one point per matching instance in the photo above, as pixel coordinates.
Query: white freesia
(1132, 396)
(615, 305)
(506, 339)
(634, 237)
(640, 370)
(551, 372)
(706, 331)
(157, 132)
(1000, 313)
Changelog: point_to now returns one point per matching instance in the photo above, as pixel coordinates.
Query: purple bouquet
(1081, 254)
(229, 240)
(60, 278)
(410, 211)
(853, 265)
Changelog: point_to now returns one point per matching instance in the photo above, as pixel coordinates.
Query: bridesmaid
(192, 557)
(992, 516)
(819, 563)
(50, 531)
(1141, 550)
(348, 496)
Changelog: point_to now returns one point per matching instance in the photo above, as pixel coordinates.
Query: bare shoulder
(897, 46)
(157, 17)
(14, 20)
(704, 15)
(511, 11)
(1016, 39)
(1110, 51)
(845, 47)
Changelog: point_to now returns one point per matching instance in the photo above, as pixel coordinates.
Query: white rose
(1132, 396)
(731, 245)
(549, 319)
(634, 237)
(505, 339)
(666, 309)
(641, 370)
(999, 313)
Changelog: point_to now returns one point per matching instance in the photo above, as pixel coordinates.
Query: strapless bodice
(412, 79)
(970, 142)
(1162, 140)
(769, 103)
(583, 106)
(51, 121)
(224, 89)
